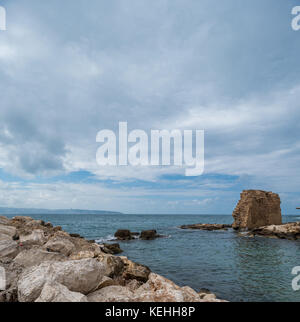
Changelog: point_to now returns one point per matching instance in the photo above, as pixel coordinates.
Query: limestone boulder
(60, 244)
(112, 294)
(35, 256)
(114, 265)
(8, 232)
(36, 237)
(82, 276)
(58, 293)
(135, 271)
(8, 248)
(4, 221)
(289, 231)
(257, 208)
(160, 289)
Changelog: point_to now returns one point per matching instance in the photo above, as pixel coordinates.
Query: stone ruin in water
(257, 208)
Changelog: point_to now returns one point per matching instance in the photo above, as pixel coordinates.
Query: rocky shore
(258, 213)
(209, 227)
(43, 263)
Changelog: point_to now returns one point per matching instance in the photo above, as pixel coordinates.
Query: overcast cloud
(69, 69)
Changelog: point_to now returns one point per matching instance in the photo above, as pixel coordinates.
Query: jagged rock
(105, 282)
(8, 232)
(135, 271)
(123, 234)
(8, 248)
(22, 219)
(83, 255)
(111, 294)
(55, 292)
(149, 235)
(37, 237)
(82, 276)
(113, 264)
(209, 227)
(257, 208)
(133, 285)
(4, 221)
(35, 256)
(60, 244)
(287, 231)
(12, 272)
(160, 289)
(112, 249)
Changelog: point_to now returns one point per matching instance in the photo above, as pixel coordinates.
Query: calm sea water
(235, 268)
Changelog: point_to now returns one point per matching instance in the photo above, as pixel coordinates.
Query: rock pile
(209, 227)
(45, 264)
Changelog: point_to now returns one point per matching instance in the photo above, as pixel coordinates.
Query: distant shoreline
(38, 211)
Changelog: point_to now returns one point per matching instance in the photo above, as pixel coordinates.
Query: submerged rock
(257, 208)
(209, 227)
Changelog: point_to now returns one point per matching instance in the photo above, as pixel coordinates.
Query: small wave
(106, 239)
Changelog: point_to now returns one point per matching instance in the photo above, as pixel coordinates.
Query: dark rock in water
(257, 208)
(149, 235)
(112, 249)
(209, 227)
(75, 235)
(123, 234)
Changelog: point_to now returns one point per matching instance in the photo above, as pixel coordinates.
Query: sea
(235, 268)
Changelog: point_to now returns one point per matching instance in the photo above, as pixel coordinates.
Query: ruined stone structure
(257, 208)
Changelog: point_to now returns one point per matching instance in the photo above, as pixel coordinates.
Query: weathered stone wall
(257, 208)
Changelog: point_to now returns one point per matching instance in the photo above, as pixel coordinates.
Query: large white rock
(60, 245)
(7, 232)
(112, 294)
(55, 292)
(8, 248)
(37, 237)
(36, 256)
(82, 276)
(4, 220)
(160, 289)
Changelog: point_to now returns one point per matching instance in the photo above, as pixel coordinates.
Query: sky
(69, 69)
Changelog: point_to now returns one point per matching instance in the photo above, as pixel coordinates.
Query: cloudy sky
(71, 68)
